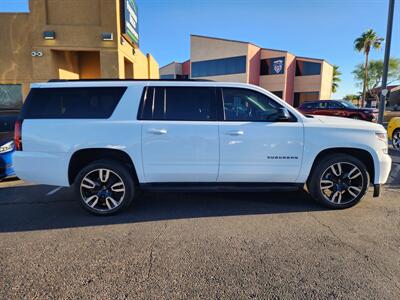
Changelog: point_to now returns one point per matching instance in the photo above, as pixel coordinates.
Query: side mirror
(283, 114)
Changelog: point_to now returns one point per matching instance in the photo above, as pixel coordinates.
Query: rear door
(255, 147)
(336, 109)
(180, 139)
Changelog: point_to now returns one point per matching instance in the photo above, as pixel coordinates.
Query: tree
(374, 75)
(364, 43)
(336, 78)
(351, 97)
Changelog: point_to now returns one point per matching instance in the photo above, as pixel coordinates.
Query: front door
(255, 147)
(180, 141)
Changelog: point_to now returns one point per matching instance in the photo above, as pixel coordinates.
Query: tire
(338, 181)
(396, 139)
(105, 187)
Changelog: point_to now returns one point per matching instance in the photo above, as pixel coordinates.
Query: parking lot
(204, 245)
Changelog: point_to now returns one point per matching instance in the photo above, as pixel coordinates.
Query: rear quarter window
(72, 103)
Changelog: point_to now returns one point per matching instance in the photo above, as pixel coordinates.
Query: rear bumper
(43, 168)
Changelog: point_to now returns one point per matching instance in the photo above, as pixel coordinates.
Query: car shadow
(28, 208)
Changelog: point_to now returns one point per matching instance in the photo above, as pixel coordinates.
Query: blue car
(6, 167)
(7, 122)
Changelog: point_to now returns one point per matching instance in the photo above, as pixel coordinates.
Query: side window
(248, 105)
(310, 105)
(179, 104)
(72, 103)
(323, 105)
(334, 105)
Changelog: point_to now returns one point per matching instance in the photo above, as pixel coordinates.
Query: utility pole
(384, 92)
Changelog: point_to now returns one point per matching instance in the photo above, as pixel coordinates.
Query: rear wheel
(396, 139)
(104, 187)
(339, 181)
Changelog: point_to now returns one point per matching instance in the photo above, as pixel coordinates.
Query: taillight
(18, 135)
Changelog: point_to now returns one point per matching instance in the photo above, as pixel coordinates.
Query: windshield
(348, 104)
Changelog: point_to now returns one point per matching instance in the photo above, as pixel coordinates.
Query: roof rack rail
(117, 79)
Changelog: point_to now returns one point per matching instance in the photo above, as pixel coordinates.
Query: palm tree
(336, 78)
(364, 43)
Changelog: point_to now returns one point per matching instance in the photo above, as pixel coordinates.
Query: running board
(221, 187)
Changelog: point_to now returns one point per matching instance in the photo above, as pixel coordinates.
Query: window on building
(215, 67)
(10, 96)
(182, 77)
(247, 105)
(179, 104)
(272, 66)
(305, 68)
(167, 76)
(278, 93)
(300, 98)
(72, 103)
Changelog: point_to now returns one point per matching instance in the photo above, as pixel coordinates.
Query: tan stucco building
(71, 39)
(295, 79)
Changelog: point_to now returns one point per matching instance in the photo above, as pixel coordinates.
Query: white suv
(111, 138)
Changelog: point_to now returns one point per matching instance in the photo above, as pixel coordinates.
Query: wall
(326, 81)
(274, 82)
(153, 67)
(78, 29)
(186, 68)
(204, 48)
(253, 64)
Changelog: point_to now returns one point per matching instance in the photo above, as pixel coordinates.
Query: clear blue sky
(316, 28)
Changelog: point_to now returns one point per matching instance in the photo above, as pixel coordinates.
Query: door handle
(235, 132)
(157, 131)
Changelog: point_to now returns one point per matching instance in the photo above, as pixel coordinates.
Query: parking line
(54, 191)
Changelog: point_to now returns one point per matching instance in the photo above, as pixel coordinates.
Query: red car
(338, 108)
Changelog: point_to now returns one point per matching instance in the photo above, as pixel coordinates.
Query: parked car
(6, 166)
(7, 121)
(394, 132)
(108, 139)
(339, 108)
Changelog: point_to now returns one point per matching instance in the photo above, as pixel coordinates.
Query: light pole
(382, 102)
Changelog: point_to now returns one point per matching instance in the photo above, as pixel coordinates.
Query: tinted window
(272, 66)
(300, 98)
(334, 105)
(179, 103)
(231, 65)
(10, 96)
(309, 105)
(72, 103)
(322, 105)
(304, 68)
(247, 105)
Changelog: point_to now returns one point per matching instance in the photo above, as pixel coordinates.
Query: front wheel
(339, 181)
(104, 187)
(396, 139)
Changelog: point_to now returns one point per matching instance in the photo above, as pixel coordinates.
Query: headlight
(381, 135)
(7, 147)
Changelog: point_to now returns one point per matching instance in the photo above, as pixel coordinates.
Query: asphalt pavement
(198, 245)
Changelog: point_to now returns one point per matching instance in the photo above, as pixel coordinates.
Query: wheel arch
(83, 157)
(361, 154)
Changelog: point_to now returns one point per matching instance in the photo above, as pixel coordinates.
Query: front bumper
(383, 170)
